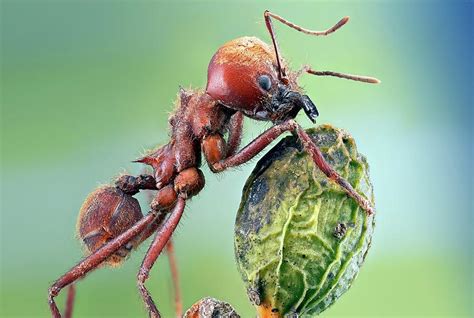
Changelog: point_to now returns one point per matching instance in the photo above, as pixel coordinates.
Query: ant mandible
(246, 77)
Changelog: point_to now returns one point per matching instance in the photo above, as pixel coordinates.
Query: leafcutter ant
(246, 78)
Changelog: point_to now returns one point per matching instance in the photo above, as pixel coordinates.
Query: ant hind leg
(71, 295)
(95, 259)
(178, 303)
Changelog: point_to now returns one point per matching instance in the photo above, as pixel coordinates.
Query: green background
(88, 85)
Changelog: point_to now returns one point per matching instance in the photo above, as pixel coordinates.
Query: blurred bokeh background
(86, 86)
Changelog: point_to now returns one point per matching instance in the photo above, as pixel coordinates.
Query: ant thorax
(196, 115)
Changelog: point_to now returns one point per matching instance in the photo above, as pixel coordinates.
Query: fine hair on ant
(246, 78)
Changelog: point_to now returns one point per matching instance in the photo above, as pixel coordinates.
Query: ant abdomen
(106, 213)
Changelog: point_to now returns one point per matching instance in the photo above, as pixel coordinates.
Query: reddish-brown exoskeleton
(246, 77)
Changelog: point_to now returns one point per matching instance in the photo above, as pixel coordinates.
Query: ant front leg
(267, 137)
(317, 156)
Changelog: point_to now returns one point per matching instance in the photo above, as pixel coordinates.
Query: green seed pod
(299, 238)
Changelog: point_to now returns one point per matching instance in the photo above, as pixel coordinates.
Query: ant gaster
(246, 77)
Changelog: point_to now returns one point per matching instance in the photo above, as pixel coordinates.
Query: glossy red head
(243, 75)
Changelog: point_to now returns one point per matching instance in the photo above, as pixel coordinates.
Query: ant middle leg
(187, 183)
(164, 200)
(162, 237)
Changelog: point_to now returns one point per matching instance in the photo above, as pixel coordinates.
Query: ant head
(244, 75)
(248, 75)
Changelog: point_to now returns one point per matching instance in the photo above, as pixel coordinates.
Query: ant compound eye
(265, 82)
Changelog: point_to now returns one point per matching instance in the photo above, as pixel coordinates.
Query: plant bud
(210, 308)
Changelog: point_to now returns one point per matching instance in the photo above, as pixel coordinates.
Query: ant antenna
(358, 78)
(268, 15)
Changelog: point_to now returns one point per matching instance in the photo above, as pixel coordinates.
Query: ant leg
(329, 171)
(262, 141)
(254, 147)
(161, 238)
(71, 295)
(172, 263)
(169, 247)
(235, 133)
(95, 259)
(178, 304)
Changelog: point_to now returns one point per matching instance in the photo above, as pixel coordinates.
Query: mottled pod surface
(209, 307)
(299, 239)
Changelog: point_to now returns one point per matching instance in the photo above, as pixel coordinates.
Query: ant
(246, 77)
